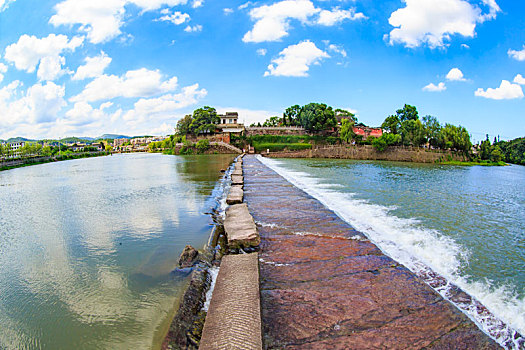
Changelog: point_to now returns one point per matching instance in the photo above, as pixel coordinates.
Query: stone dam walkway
(323, 285)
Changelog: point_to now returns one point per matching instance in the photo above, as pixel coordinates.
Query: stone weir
(324, 285)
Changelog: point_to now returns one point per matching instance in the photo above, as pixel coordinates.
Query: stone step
(235, 196)
(240, 228)
(234, 316)
(237, 180)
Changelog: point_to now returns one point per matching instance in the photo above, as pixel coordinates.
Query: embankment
(18, 163)
(367, 152)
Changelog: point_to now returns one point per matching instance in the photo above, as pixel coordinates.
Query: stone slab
(237, 180)
(237, 172)
(235, 196)
(234, 316)
(324, 285)
(240, 228)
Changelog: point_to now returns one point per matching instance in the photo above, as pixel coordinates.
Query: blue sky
(83, 68)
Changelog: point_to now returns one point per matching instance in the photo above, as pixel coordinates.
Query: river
(87, 247)
(465, 223)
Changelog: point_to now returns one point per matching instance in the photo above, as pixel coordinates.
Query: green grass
(482, 163)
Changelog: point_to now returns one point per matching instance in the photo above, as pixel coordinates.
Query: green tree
(108, 147)
(204, 119)
(272, 122)
(291, 116)
(455, 137)
(183, 125)
(432, 130)
(2, 150)
(391, 124)
(389, 139)
(47, 151)
(316, 117)
(485, 149)
(413, 132)
(347, 130)
(496, 155)
(202, 145)
(408, 112)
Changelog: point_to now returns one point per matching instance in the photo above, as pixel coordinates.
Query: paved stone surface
(237, 180)
(325, 286)
(240, 228)
(234, 316)
(235, 196)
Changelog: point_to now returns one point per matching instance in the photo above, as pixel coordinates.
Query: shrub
(203, 145)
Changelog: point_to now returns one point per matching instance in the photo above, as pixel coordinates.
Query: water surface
(87, 247)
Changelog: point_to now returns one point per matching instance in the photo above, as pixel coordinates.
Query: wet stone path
(325, 286)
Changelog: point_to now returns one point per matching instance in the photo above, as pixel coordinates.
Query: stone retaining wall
(366, 152)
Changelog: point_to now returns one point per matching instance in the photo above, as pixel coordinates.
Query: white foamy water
(214, 272)
(424, 251)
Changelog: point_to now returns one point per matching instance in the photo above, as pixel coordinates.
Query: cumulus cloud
(176, 17)
(83, 114)
(262, 52)
(195, 28)
(337, 49)
(101, 20)
(455, 74)
(31, 51)
(295, 60)
(135, 83)
(3, 70)
(227, 11)
(519, 79)
(506, 91)
(432, 22)
(93, 67)
(39, 104)
(435, 88)
(197, 3)
(330, 18)
(164, 106)
(517, 55)
(272, 22)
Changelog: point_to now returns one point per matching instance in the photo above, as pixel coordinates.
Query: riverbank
(19, 163)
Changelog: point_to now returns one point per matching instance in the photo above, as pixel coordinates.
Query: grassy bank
(482, 163)
(36, 161)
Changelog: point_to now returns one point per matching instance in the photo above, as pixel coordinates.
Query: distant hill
(18, 139)
(76, 139)
(112, 136)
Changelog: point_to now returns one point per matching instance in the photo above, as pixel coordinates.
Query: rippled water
(87, 247)
(465, 223)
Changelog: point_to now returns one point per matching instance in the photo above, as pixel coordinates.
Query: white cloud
(101, 19)
(295, 60)
(337, 49)
(176, 17)
(262, 52)
(227, 11)
(135, 83)
(4, 4)
(517, 55)
(164, 106)
(94, 67)
(519, 79)
(3, 70)
(273, 21)
(83, 114)
(150, 5)
(39, 104)
(197, 3)
(330, 18)
(455, 74)
(50, 67)
(506, 91)
(435, 88)
(433, 22)
(31, 51)
(195, 28)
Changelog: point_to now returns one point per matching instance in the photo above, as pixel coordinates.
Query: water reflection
(87, 246)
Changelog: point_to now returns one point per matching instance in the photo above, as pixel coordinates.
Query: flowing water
(465, 223)
(87, 248)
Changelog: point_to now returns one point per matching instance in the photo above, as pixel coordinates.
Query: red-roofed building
(367, 131)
